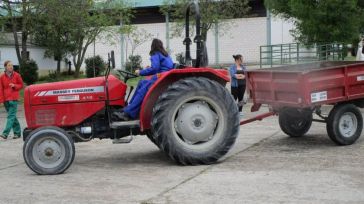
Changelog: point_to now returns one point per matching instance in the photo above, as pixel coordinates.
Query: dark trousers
(238, 94)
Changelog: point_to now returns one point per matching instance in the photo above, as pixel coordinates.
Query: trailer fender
(165, 79)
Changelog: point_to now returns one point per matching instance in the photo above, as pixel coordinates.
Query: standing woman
(238, 82)
(11, 83)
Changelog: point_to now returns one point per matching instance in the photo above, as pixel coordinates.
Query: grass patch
(55, 78)
(134, 81)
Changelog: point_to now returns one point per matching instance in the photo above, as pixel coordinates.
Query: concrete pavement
(264, 166)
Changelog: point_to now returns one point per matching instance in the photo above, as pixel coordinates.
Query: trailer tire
(344, 124)
(195, 121)
(49, 150)
(295, 122)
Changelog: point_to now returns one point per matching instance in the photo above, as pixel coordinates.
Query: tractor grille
(45, 117)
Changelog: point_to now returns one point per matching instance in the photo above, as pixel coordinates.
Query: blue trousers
(136, 101)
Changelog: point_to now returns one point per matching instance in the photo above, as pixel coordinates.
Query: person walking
(11, 83)
(238, 82)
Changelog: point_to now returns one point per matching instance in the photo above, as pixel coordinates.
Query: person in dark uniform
(238, 81)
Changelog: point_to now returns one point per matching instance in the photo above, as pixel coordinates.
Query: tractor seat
(178, 66)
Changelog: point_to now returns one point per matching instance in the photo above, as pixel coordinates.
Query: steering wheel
(127, 75)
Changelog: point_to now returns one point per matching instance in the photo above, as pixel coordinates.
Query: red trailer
(294, 93)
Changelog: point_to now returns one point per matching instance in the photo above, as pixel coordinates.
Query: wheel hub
(348, 124)
(196, 122)
(48, 153)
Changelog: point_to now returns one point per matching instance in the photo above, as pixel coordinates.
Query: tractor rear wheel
(150, 137)
(195, 121)
(49, 150)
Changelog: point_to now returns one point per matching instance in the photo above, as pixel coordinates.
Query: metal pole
(217, 60)
(122, 45)
(298, 52)
(269, 28)
(260, 56)
(269, 38)
(167, 32)
(281, 54)
(93, 60)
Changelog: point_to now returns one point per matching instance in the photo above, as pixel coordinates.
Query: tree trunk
(24, 50)
(16, 43)
(14, 26)
(80, 56)
(24, 35)
(58, 66)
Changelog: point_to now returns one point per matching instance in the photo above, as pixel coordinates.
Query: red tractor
(187, 113)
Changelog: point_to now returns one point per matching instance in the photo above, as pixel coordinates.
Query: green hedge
(29, 71)
(96, 62)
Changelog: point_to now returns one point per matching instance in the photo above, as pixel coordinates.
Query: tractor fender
(167, 78)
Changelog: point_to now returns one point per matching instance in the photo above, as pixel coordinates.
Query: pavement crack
(150, 200)
(253, 145)
(11, 166)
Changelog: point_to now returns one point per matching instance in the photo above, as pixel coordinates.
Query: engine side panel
(62, 115)
(68, 103)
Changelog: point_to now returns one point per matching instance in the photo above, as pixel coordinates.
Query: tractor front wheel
(195, 121)
(49, 150)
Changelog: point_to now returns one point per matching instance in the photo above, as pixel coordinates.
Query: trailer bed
(307, 85)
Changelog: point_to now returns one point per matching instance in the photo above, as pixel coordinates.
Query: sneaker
(120, 116)
(16, 137)
(3, 137)
(241, 115)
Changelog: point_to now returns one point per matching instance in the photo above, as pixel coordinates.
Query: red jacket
(7, 93)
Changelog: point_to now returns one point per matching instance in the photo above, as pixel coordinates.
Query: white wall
(37, 54)
(244, 36)
(281, 31)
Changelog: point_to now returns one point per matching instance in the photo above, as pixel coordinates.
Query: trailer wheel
(295, 122)
(48, 150)
(344, 124)
(195, 121)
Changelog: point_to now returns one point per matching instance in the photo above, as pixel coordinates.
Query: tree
(20, 16)
(321, 21)
(70, 27)
(90, 25)
(53, 28)
(212, 12)
(136, 37)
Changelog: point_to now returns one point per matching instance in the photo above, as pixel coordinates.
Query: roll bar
(198, 38)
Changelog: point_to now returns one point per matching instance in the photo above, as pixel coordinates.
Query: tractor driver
(160, 62)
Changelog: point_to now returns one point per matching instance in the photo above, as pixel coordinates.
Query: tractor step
(123, 140)
(124, 124)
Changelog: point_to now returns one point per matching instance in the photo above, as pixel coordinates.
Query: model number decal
(95, 89)
(69, 98)
(360, 78)
(318, 96)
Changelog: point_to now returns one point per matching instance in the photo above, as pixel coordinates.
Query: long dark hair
(157, 46)
(237, 57)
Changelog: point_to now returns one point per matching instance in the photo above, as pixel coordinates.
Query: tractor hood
(75, 91)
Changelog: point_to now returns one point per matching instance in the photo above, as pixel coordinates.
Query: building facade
(235, 36)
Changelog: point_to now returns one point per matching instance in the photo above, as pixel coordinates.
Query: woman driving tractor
(160, 62)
